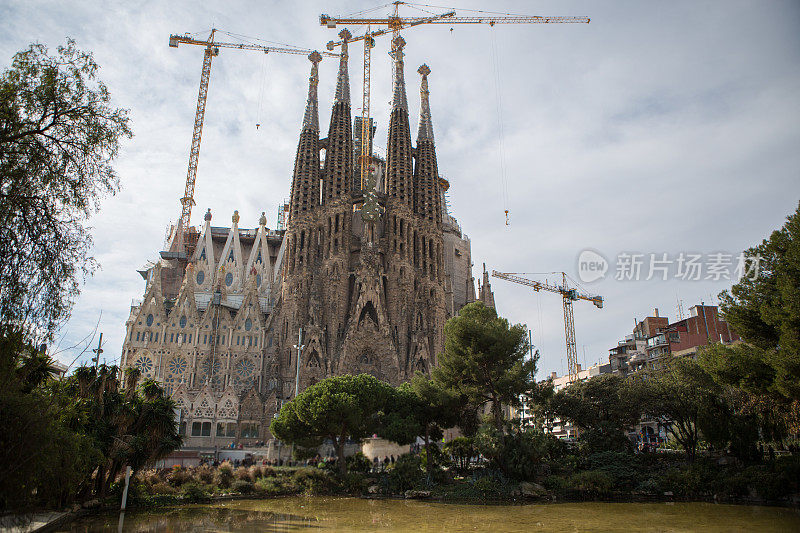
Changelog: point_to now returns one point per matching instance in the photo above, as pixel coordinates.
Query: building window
(137, 335)
(149, 320)
(182, 428)
(196, 427)
(206, 429)
(220, 429)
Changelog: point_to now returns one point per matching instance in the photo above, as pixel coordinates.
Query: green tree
(461, 450)
(58, 136)
(602, 408)
(420, 408)
(134, 426)
(43, 461)
(337, 408)
(686, 398)
(484, 360)
(764, 309)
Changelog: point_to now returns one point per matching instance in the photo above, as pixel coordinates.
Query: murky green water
(351, 514)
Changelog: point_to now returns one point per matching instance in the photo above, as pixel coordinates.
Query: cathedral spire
(399, 99)
(427, 190)
(425, 132)
(399, 152)
(338, 173)
(305, 180)
(343, 79)
(311, 117)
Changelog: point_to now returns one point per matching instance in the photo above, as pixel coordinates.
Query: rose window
(177, 366)
(144, 364)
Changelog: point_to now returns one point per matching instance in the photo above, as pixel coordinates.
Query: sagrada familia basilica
(361, 278)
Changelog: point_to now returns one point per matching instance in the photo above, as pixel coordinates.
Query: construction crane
(569, 295)
(211, 50)
(393, 24)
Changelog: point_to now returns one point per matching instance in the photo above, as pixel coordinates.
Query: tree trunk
(497, 412)
(428, 458)
(338, 445)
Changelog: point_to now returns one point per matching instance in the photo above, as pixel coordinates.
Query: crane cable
(261, 89)
(500, 131)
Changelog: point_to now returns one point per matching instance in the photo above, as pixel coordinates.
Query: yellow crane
(393, 24)
(211, 50)
(569, 295)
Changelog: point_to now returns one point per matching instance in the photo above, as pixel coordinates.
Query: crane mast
(211, 50)
(568, 295)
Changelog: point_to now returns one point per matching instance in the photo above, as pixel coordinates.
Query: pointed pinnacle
(311, 117)
(343, 80)
(399, 90)
(425, 131)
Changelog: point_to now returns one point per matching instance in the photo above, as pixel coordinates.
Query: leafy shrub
(178, 476)
(439, 459)
(224, 475)
(406, 473)
(488, 486)
(355, 483)
(314, 481)
(592, 482)
(649, 486)
(204, 474)
(243, 474)
(163, 488)
(242, 487)
(359, 463)
(194, 492)
(686, 482)
(461, 451)
(276, 486)
(557, 484)
(519, 455)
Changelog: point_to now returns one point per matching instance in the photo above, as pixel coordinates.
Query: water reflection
(197, 518)
(353, 514)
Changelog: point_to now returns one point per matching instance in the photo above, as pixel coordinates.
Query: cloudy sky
(661, 127)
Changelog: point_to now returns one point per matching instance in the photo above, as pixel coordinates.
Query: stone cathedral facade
(361, 280)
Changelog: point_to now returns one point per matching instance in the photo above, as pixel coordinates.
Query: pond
(353, 514)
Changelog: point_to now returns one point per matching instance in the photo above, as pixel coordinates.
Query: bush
(557, 484)
(488, 486)
(194, 492)
(355, 483)
(592, 482)
(461, 450)
(224, 475)
(162, 488)
(242, 487)
(519, 455)
(314, 481)
(243, 474)
(439, 459)
(204, 474)
(178, 476)
(359, 463)
(406, 473)
(276, 486)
